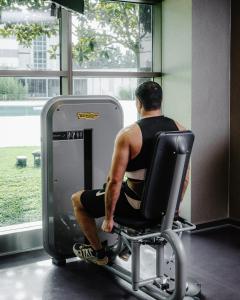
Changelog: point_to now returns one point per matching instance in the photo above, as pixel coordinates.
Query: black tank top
(149, 127)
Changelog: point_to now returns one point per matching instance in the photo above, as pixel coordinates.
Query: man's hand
(107, 225)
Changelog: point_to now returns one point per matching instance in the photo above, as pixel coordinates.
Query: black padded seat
(141, 223)
(136, 223)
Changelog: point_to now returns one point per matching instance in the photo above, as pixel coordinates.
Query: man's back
(140, 139)
(143, 138)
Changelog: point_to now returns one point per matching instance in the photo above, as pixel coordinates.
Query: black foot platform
(60, 262)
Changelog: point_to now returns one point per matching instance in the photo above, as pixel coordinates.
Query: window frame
(65, 73)
(67, 61)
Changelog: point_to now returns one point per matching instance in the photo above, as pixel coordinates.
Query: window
(113, 36)
(40, 53)
(18, 26)
(29, 43)
(80, 86)
(21, 102)
(37, 87)
(111, 49)
(53, 87)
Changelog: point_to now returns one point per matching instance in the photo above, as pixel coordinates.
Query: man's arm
(186, 182)
(120, 160)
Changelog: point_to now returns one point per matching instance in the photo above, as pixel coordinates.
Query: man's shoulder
(129, 132)
(179, 125)
(130, 129)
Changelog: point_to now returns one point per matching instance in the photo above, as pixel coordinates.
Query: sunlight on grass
(20, 188)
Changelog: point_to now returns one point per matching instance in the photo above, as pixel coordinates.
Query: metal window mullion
(30, 73)
(66, 52)
(70, 56)
(157, 38)
(149, 2)
(117, 74)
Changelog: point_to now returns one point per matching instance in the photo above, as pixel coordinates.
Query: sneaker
(86, 252)
(125, 254)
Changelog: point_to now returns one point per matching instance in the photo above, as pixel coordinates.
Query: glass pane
(29, 37)
(122, 89)
(112, 36)
(21, 102)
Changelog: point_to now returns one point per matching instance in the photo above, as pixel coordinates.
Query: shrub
(125, 94)
(12, 89)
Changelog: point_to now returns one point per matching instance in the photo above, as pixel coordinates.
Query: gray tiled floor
(213, 258)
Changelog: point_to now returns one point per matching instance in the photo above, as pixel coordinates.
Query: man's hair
(149, 94)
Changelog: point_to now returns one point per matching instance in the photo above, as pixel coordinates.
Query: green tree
(33, 4)
(12, 89)
(101, 33)
(107, 27)
(26, 33)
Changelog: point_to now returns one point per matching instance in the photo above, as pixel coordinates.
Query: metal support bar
(140, 237)
(159, 260)
(124, 274)
(147, 281)
(180, 264)
(135, 265)
(125, 240)
(155, 292)
(185, 228)
(155, 234)
(174, 193)
(119, 271)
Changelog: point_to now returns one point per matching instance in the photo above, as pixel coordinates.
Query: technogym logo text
(88, 115)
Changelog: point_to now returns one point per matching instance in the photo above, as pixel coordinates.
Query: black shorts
(94, 204)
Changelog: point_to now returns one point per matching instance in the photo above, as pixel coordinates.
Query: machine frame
(168, 230)
(47, 165)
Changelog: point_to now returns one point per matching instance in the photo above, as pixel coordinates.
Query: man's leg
(87, 224)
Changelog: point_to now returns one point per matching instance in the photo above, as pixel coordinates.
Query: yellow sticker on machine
(88, 115)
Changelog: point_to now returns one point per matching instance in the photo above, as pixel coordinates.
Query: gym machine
(78, 134)
(77, 138)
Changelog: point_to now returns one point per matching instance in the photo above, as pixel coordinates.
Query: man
(131, 158)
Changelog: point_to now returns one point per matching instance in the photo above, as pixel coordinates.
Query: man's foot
(87, 253)
(125, 254)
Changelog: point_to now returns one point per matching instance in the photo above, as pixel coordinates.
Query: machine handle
(116, 230)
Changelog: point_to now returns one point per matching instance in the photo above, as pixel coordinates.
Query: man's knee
(76, 200)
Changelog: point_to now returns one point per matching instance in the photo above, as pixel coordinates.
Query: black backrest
(159, 180)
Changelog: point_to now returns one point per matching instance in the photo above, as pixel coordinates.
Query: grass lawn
(20, 188)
